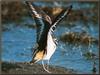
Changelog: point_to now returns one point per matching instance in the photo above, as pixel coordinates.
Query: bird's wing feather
(43, 21)
(60, 16)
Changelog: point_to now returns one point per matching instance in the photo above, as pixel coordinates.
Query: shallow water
(18, 41)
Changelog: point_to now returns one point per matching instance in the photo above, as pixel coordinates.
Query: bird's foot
(44, 67)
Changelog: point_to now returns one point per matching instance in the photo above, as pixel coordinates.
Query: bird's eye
(53, 27)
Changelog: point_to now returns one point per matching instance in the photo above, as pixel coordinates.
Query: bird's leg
(45, 68)
(47, 64)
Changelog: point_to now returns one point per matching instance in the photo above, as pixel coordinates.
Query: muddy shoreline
(22, 68)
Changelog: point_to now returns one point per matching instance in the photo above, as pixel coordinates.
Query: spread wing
(60, 17)
(43, 21)
(44, 25)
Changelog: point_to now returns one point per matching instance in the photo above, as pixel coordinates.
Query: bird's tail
(37, 56)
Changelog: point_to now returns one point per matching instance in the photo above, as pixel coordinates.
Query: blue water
(18, 41)
(17, 44)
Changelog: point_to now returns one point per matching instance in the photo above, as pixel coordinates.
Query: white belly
(51, 47)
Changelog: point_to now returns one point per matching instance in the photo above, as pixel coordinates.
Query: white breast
(51, 47)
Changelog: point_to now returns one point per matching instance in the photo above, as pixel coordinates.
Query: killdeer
(46, 44)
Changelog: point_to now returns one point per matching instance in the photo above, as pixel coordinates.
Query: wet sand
(22, 68)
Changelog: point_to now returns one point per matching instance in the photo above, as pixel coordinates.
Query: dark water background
(18, 40)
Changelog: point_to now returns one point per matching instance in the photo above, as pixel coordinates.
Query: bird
(46, 44)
